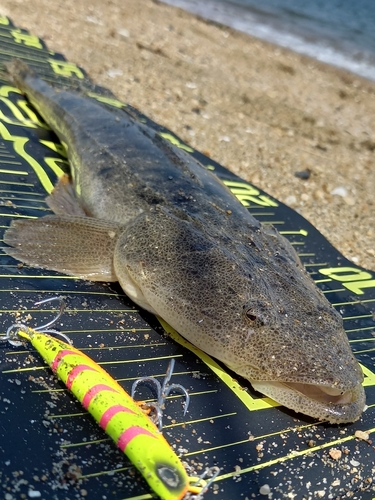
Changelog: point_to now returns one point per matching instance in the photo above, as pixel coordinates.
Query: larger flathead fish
(140, 211)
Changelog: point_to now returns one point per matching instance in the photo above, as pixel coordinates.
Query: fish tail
(43, 97)
(29, 82)
(19, 71)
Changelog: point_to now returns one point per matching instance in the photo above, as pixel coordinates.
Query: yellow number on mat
(247, 194)
(351, 278)
(64, 68)
(26, 39)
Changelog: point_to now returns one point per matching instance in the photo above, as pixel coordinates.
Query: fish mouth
(322, 402)
(323, 393)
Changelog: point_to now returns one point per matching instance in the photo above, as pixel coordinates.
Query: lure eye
(169, 476)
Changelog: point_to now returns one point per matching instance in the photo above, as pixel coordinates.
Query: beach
(262, 111)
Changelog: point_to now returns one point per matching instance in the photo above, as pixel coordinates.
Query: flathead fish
(138, 210)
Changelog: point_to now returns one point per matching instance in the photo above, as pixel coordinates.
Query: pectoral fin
(78, 246)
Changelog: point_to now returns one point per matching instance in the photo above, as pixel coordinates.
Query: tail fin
(18, 71)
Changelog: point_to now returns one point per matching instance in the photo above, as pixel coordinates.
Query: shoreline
(234, 16)
(260, 110)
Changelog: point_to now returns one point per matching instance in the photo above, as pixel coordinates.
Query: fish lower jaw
(322, 393)
(317, 401)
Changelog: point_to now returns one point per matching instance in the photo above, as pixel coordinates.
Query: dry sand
(261, 111)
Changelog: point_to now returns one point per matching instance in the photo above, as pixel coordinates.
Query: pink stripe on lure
(129, 434)
(75, 372)
(91, 393)
(59, 356)
(120, 416)
(111, 412)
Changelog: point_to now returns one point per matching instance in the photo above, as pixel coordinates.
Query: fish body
(138, 210)
(116, 412)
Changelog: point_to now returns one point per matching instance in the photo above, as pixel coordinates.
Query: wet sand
(262, 111)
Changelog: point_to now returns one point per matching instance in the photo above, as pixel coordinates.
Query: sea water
(338, 32)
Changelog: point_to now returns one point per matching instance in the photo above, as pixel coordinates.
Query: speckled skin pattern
(182, 247)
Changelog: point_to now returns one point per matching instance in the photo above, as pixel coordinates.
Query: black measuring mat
(51, 448)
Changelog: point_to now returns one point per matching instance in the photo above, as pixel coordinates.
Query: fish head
(249, 303)
(296, 352)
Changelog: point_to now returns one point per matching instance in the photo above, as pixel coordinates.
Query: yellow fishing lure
(115, 411)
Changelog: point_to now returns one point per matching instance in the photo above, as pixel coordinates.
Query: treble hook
(214, 471)
(44, 328)
(13, 337)
(162, 392)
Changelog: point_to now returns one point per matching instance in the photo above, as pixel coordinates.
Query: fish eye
(250, 315)
(255, 317)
